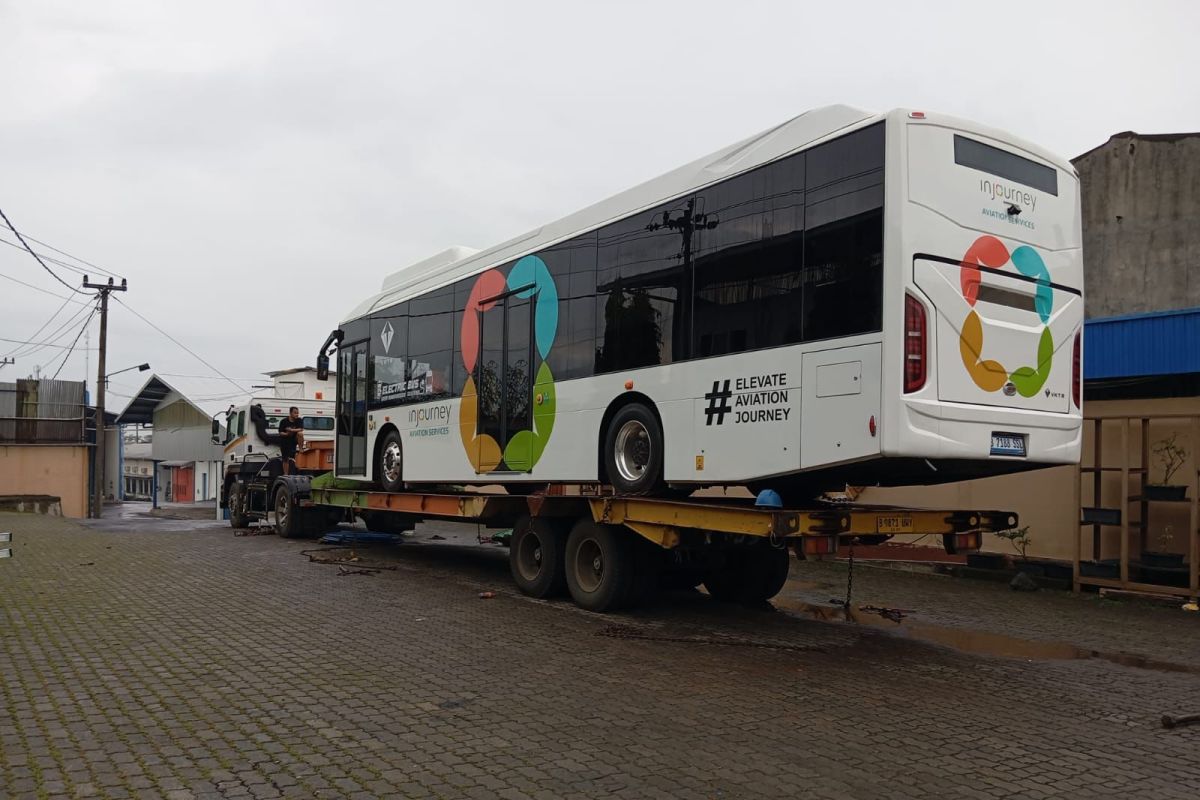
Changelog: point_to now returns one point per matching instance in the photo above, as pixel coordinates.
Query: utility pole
(105, 290)
(4, 362)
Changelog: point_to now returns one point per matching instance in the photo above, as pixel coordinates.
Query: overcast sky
(255, 169)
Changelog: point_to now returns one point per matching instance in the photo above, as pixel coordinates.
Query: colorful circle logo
(529, 277)
(988, 374)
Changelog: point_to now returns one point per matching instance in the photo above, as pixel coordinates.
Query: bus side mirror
(216, 431)
(322, 367)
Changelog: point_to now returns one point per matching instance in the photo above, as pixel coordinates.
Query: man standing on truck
(291, 437)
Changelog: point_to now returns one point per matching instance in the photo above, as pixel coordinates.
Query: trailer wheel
(633, 451)
(390, 468)
(535, 557)
(237, 506)
(601, 572)
(751, 575)
(290, 521)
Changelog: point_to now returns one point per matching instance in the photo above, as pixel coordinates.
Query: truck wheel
(237, 506)
(290, 521)
(750, 575)
(600, 568)
(633, 451)
(390, 468)
(535, 557)
(766, 571)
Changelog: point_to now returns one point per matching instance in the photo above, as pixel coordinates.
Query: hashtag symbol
(718, 403)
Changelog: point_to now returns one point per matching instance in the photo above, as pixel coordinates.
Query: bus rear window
(1003, 164)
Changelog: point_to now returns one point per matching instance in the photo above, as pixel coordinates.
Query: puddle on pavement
(978, 642)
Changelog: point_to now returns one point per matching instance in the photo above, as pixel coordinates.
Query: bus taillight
(1075, 370)
(914, 344)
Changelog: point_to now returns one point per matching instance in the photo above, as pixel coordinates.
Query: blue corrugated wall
(1161, 343)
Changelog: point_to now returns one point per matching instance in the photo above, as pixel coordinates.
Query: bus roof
(773, 143)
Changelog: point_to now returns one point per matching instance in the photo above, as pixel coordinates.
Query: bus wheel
(633, 451)
(750, 575)
(601, 572)
(237, 506)
(535, 557)
(390, 468)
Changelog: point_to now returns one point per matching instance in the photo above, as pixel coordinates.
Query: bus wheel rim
(391, 461)
(632, 450)
(589, 565)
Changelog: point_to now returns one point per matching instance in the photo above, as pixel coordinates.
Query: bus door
(505, 382)
(352, 409)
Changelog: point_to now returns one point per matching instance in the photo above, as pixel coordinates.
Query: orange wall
(1044, 499)
(47, 469)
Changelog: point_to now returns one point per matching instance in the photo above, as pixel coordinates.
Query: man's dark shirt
(287, 444)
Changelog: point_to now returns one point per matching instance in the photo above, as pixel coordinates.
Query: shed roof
(1133, 345)
(141, 407)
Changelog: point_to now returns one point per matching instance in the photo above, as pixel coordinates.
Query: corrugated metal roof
(1157, 343)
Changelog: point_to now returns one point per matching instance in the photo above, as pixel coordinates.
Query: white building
(300, 383)
(186, 465)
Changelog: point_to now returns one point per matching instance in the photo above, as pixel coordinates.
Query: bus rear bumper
(960, 431)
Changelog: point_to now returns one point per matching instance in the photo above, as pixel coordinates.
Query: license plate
(1008, 444)
(893, 525)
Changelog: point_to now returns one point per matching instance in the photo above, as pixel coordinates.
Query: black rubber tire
(610, 587)
(651, 479)
(750, 575)
(765, 573)
(535, 557)
(290, 521)
(680, 580)
(723, 581)
(396, 485)
(237, 506)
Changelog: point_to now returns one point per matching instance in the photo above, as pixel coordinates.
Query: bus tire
(600, 568)
(289, 518)
(633, 451)
(535, 557)
(237, 506)
(389, 467)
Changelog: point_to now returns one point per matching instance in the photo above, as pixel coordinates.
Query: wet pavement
(164, 663)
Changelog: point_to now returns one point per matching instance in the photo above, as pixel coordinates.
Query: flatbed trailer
(609, 552)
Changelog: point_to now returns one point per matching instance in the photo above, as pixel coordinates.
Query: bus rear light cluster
(1076, 370)
(915, 345)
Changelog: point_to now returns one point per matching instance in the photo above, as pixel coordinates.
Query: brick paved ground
(196, 664)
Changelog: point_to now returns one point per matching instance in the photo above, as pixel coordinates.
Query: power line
(66, 357)
(68, 255)
(41, 344)
(38, 288)
(50, 341)
(35, 255)
(235, 384)
(201, 377)
(51, 259)
(52, 318)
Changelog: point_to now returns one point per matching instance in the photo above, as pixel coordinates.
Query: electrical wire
(46, 323)
(41, 344)
(82, 328)
(35, 255)
(241, 389)
(95, 267)
(51, 340)
(40, 289)
(202, 377)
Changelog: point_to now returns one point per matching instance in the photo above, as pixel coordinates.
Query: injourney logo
(1009, 194)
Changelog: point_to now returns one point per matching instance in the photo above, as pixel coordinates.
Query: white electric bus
(845, 298)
